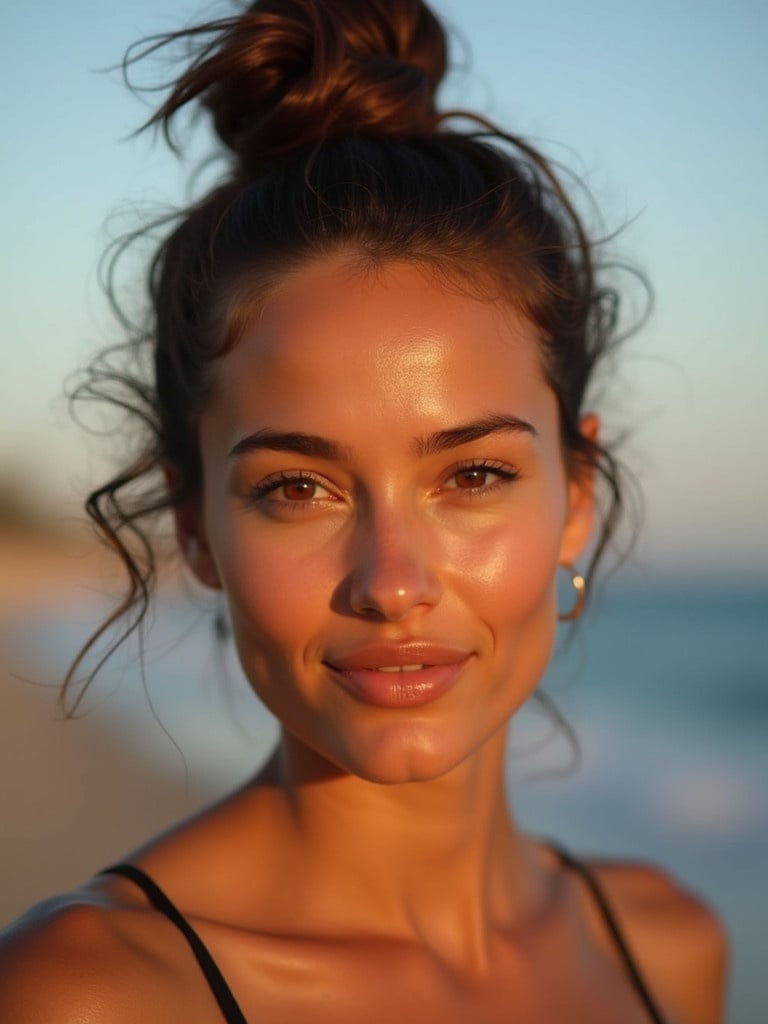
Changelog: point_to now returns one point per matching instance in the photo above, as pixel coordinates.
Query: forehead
(336, 343)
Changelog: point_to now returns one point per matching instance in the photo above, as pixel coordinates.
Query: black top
(234, 1015)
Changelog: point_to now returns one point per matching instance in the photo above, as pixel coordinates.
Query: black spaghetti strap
(569, 861)
(221, 990)
(228, 1004)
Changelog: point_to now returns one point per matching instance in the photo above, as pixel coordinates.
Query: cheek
(508, 580)
(510, 568)
(275, 602)
(277, 582)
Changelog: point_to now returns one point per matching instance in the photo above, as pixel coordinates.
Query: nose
(394, 569)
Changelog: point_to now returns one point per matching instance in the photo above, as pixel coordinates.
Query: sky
(658, 107)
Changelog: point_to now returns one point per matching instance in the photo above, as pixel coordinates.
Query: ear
(581, 499)
(191, 535)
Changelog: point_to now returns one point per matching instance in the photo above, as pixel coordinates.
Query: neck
(440, 861)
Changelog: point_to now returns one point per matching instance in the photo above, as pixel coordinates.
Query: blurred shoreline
(74, 794)
(44, 567)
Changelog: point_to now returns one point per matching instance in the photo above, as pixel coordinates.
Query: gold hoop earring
(579, 585)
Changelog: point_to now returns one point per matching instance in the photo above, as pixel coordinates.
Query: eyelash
(504, 474)
(258, 495)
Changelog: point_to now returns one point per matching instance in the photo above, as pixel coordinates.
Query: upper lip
(383, 655)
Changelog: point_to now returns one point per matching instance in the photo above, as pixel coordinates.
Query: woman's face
(385, 506)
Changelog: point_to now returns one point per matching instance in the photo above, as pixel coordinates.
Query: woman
(370, 348)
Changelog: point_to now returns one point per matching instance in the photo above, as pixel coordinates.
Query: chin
(402, 753)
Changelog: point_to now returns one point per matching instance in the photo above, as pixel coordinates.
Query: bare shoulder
(85, 958)
(679, 943)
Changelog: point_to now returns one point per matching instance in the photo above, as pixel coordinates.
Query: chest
(280, 982)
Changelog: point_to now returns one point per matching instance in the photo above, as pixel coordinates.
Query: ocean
(665, 690)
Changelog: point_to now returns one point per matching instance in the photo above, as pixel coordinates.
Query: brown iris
(299, 490)
(467, 478)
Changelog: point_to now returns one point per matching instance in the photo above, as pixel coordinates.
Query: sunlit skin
(383, 473)
(398, 535)
(393, 537)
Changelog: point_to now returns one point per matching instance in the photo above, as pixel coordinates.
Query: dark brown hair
(327, 109)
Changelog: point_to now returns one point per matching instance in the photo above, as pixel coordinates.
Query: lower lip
(399, 689)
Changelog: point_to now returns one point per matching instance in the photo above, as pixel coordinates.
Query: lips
(402, 675)
(384, 656)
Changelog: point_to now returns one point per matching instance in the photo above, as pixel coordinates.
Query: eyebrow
(315, 446)
(311, 445)
(476, 430)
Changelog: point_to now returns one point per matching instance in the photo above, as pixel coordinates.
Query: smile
(405, 675)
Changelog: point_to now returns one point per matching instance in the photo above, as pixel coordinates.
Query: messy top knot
(287, 74)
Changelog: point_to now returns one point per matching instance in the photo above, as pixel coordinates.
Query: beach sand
(74, 795)
(73, 798)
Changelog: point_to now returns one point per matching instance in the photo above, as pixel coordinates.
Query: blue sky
(660, 108)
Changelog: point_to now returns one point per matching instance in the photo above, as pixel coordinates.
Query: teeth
(400, 668)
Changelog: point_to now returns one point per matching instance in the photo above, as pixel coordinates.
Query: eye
(290, 490)
(475, 476)
(299, 489)
(480, 477)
